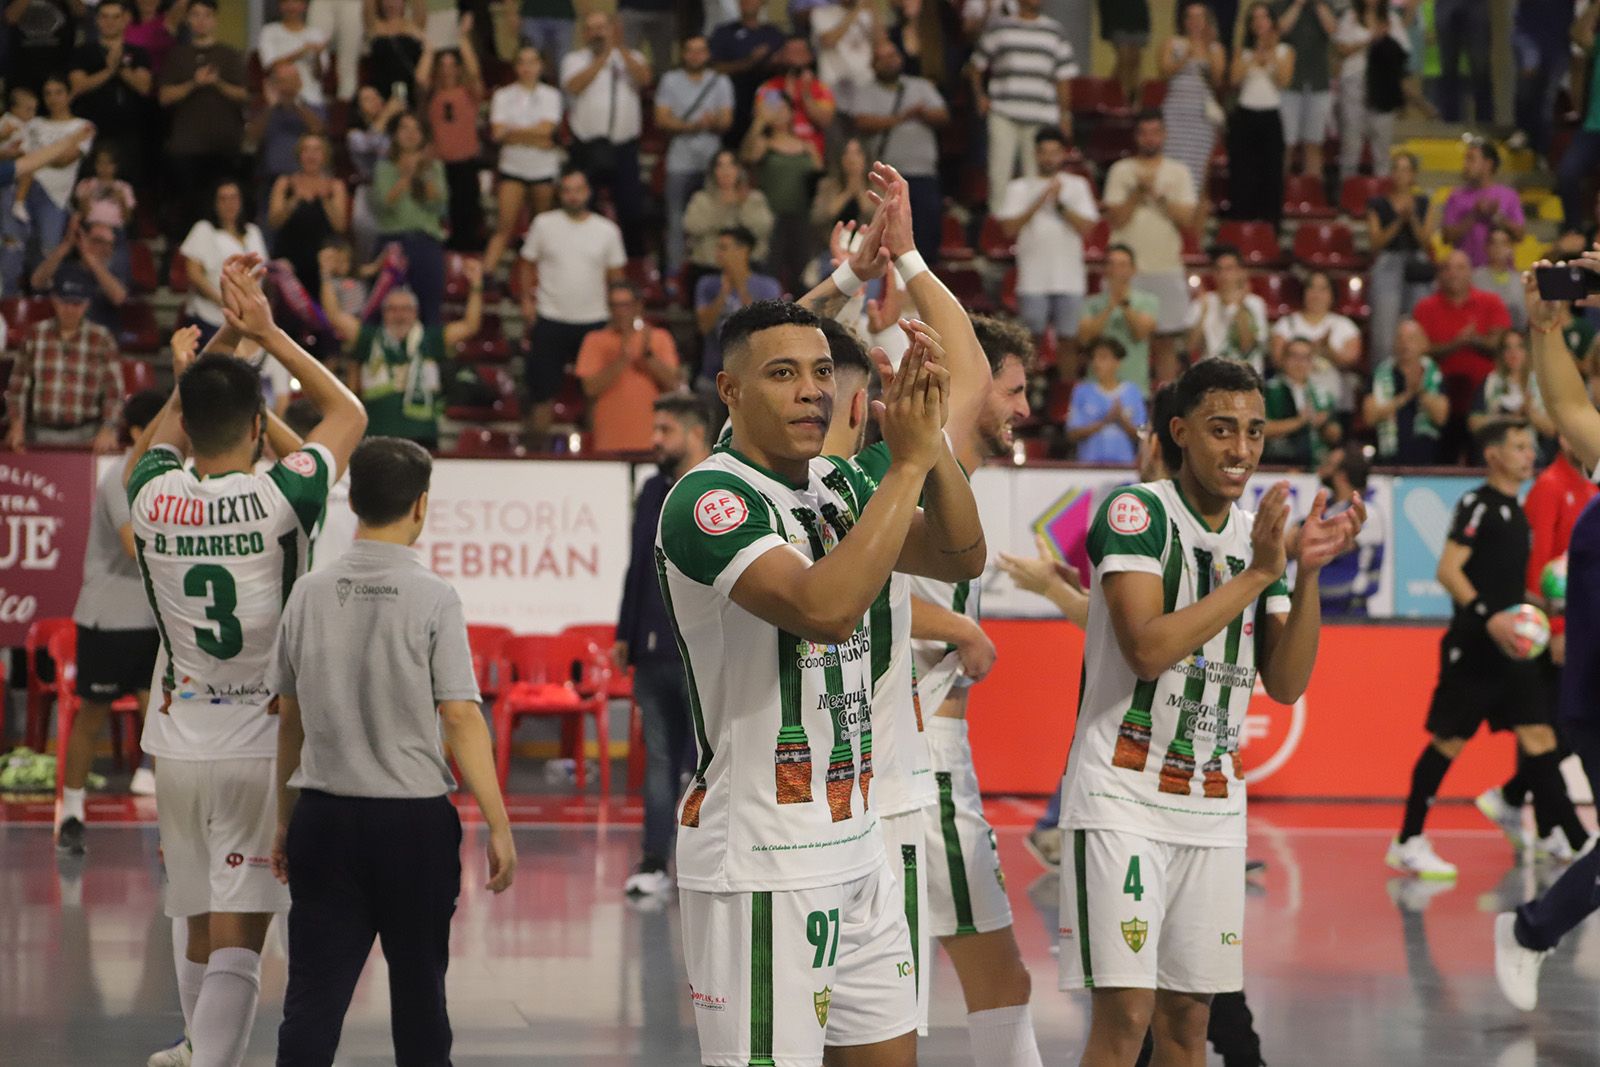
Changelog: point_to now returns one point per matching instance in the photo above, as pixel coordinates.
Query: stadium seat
(1218, 191)
(570, 404)
(994, 243)
(1329, 245)
(1047, 350)
(1008, 291)
(20, 313)
(137, 376)
(1152, 94)
(1281, 292)
(485, 642)
(1304, 198)
(1095, 242)
(125, 712)
(967, 284)
(1058, 402)
(143, 277)
(456, 285)
(178, 274)
(488, 345)
(1351, 298)
(603, 636)
(544, 676)
(136, 328)
(1193, 254)
(953, 243)
(505, 407)
(643, 274)
(1098, 96)
(40, 689)
(1257, 242)
(1357, 190)
(480, 442)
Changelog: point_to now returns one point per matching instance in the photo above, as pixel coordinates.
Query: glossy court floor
(1345, 965)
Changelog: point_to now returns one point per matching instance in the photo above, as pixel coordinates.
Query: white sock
(226, 1008)
(72, 804)
(1003, 1037)
(191, 977)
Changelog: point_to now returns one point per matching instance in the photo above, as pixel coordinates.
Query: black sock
(1515, 791)
(1550, 801)
(1426, 777)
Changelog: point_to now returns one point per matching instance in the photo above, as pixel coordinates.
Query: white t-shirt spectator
(211, 247)
(850, 59)
(1049, 250)
(57, 182)
(1258, 91)
(1217, 329)
(1156, 242)
(588, 111)
(573, 257)
(1338, 331)
(520, 108)
(278, 40)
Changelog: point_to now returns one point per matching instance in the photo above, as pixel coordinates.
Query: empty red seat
(1351, 298)
(1152, 94)
(967, 284)
(1329, 245)
(1008, 291)
(1058, 402)
(560, 675)
(20, 313)
(1281, 292)
(142, 274)
(1357, 190)
(643, 274)
(1098, 96)
(994, 243)
(178, 274)
(1193, 254)
(1304, 198)
(1095, 242)
(480, 442)
(136, 328)
(953, 243)
(570, 404)
(488, 345)
(505, 406)
(137, 376)
(1257, 242)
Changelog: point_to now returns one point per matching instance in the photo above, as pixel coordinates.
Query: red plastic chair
(486, 643)
(1357, 190)
(1096, 242)
(546, 675)
(967, 285)
(505, 407)
(40, 691)
(1152, 94)
(63, 649)
(137, 330)
(137, 376)
(178, 274)
(953, 244)
(620, 687)
(1098, 96)
(1008, 291)
(1281, 292)
(1328, 245)
(645, 276)
(488, 345)
(480, 442)
(1304, 198)
(142, 273)
(994, 243)
(1257, 242)
(570, 405)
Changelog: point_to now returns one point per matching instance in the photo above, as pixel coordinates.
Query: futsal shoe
(179, 1055)
(1516, 969)
(1045, 845)
(1554, 847)
(143, 783)
(649, 880)
(1416, 856)
(69, 836)
(1508, 820)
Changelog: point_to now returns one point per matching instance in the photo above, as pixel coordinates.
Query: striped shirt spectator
(66, 380)
(1022, 73)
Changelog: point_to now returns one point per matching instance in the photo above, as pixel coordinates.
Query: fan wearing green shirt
(1301, 426)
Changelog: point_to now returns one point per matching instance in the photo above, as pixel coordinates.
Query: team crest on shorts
(821, 1001)
(1134, 933)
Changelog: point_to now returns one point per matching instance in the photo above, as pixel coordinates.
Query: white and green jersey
(219, 556)
(1160, 758)
(781, 790)
(937, 665)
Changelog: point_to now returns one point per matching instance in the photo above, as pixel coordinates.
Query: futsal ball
(1530, 629)
(1553, 584)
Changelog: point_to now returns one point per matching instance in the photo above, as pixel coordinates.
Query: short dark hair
(1047, 134)
(848, 353)
(1494, 431)
(221, 397)
(126, 5)
(1488, 151)
(1356, 467)
(1003, 340)
(1163, 409)
(1124, 249)
(212, 4)
(142, 407)
(758, 317)
(1214, 376)
(741, 234)
(685, 407)
(302, 416)
(1219, 251)
(387, 475)
(1110, 344)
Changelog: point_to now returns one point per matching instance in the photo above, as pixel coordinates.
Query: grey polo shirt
(113, 596)
(370, 647)
(909, 147)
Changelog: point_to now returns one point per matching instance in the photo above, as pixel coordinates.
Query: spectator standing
(1256, 152)
(784, 164)
(577, 254)
(1125, 26)
(1400, 229)
(1511, 389)
(744, 50)
(1407, 407)
(278, 127)
(523, 118)
(1022, 73)
(343, 29)
(810, 101)
(41, 34)
(1582, 156)
(1541, 44)
(1230, 322)
(367, 142)
(1106, 412)
(1464, 24)
(203, 91)
(65, 389)
(395, 44)
(89, 248)
(156, 26)
(1499, 275)
(1048, 216)
(1195, 67)
(1373, 46)
(603, 81)
(719, 295)
(679, 439)
(309, 207)
(624, 367)
(694, 106)
(652, 25)
(726, 200)
(1479, 204)
(452, 85)
(1149, 199)
(1301, 427)
(1307, 27)
(1125, 314)
(104, 199)
(111, 86)
(843, 194)
(1335, 341)
(409, 198)
(224, 232)
(293, 40)
(1463, 327)
(49, 198)
(545, 24)
(843, 34)
(899, 117)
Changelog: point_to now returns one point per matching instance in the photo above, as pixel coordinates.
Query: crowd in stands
(1229, 182)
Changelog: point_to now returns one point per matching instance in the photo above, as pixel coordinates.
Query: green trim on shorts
(1079, 848)
(761, 980)
(908, 864)
(960, 896)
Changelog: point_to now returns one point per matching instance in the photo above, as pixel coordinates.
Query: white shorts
(1143, 914)
(775, 977)
(217, 819)
(1171, 290)
(903, 840)
(1305, 116)
(966, 888)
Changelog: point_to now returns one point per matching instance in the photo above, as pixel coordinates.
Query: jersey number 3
(215, 584)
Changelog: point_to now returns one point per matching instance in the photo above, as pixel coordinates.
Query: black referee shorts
(1478, 683)
(115, 663)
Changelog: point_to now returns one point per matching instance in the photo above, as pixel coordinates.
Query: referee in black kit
(1483, 567)
(372, 658)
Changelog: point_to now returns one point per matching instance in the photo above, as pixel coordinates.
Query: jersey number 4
(215, 585)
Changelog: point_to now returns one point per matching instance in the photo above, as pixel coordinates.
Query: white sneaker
(1492, 803)
(1414, 895)
(647, 883)
(1417, 857)
(1554, 847)
(178, 1055)
(144, 783)
(1516, 968)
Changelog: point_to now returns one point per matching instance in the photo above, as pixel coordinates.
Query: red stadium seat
(643, 274)
(20, 313)
(1008, 291)
(488, 345)
(1280, 291)
(178, 274)
(1095, 242)
(125, 712)
(1098, 96)
(1193, 254)
(1328, 245)
(994, 243)
(1152, 94)
(953, 243)
(456, 284)
(968, 286)
(505, 407)
(570, 404)
(1357, 190)
(1304, 198)
(1350, 297)
(137, 376)
(136, 328)
(142, 274)
(1058, 402)
(480, 442)
(1257, 242)
(549, 676)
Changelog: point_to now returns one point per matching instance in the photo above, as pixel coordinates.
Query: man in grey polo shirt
(372, 658)
(896, 117)
(695, 105)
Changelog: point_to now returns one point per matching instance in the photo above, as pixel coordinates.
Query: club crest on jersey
(341, 589)
(302, 463)
(719, 511)
(1127, 514)
(821, 1001)
(1134, 932)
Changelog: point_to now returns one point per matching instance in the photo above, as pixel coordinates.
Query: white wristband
(846, 279)
(910, 265)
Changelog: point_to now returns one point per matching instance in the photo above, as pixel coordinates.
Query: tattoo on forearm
(825, 307)
(963, 551)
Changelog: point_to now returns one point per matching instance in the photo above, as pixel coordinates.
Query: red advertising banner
(46, 499)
